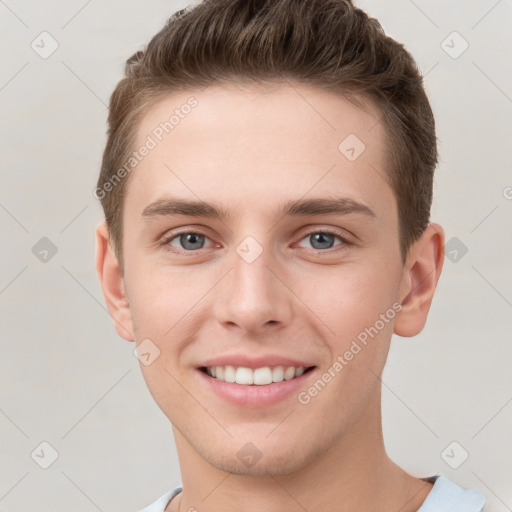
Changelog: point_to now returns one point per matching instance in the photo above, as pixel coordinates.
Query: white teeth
(289, 373)
(278, 374)
(244, 376)
(263, 376)
(229, 374)
(258, 376)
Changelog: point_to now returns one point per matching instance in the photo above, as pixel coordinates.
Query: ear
(112, 284)
(419, 280)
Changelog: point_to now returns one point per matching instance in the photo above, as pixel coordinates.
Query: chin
(249, 460)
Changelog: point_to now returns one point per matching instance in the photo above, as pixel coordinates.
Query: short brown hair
(328, 44)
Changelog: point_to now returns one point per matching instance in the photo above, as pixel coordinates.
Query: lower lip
(255, 395)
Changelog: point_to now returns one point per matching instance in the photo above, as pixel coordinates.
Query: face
(294, 261)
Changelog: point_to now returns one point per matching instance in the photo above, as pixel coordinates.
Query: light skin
(251, 150)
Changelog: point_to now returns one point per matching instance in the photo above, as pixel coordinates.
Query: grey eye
(191, 241)
(322, 240)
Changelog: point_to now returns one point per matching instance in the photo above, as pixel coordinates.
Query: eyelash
(168, 239)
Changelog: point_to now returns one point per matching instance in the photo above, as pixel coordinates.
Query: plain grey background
(69, 381)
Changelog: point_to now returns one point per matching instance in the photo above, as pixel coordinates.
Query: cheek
(357, 313)
(160, 301)
(161, 308)
(351, 300)
(166, 308)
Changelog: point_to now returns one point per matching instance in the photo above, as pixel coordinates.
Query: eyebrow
(169, 206)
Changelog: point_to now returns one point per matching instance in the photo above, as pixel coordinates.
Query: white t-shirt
(445, 496)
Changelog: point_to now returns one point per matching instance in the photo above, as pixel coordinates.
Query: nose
(254, 296)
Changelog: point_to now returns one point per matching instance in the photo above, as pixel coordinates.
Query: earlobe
(421, 275)
(112, 284)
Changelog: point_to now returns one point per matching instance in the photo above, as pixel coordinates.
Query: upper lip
(253, 362)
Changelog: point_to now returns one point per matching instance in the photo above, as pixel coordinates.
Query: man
(267, 183)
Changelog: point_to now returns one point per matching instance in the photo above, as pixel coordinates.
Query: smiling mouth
(263, 376)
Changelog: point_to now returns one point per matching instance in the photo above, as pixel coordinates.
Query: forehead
(259, 110)
(251, 144)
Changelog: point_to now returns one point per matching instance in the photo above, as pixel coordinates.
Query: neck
(355, 473)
